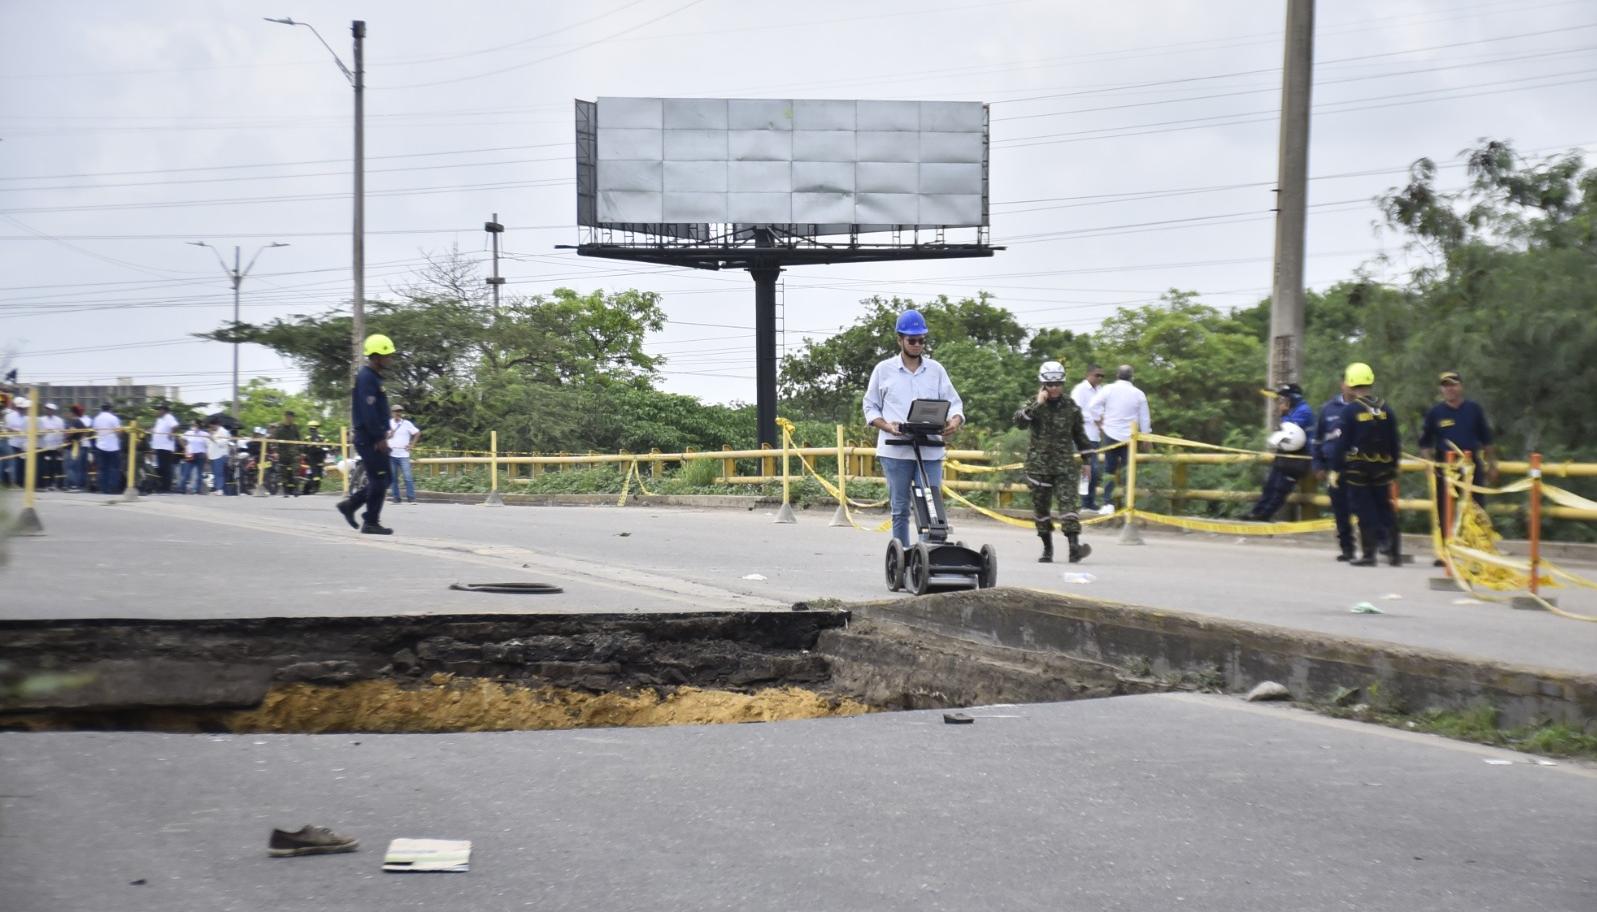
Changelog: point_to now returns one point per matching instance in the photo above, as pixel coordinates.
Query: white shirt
(1082, 395)
(893, 388)
(52, 426)
(218, 443)
(18, 422)
(161, 434)
(1118, 404)
(400, 433)
(195, 441)
(105, 425)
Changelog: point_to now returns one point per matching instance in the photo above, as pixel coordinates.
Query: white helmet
(1289, 439)
(1051, 372)
(261, 431)
(21, 402)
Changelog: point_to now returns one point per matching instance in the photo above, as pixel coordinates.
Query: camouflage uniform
(287, 456)
(1053, 466)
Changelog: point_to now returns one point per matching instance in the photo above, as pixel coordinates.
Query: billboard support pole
(765, 271)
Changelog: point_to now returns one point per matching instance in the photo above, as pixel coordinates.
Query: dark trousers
(1372, 504)
(1277, 486)
(49, 469)
(1343, 511)
(379, 474)
(1095, 467)
(1113, 461)
(164, 460)
(108, 471)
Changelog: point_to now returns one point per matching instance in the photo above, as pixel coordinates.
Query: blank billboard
(682, 164)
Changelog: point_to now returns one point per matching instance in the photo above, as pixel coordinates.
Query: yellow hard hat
(379, 344)
(1359, 374)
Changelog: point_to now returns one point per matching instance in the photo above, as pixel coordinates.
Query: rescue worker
(1461, 423)
(369, 424)
(1291, 441)
(1326, 431)
(287, 454)
(1368, 445)
(315, 456)
(1058, 444)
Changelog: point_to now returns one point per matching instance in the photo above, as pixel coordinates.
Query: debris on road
(1268, 690)
(1365, 608)
(958, 719)
(1076, 577)
(754, 576)
(416, 855)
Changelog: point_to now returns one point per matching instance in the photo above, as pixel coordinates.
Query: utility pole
(358, 29)
(236, 277)
(1292, 188)
(495, 229)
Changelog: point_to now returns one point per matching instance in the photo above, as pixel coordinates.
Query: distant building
(123, 394)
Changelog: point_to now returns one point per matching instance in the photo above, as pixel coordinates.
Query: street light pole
(357, 79)
(236, 276)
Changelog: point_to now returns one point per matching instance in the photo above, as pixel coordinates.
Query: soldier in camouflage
(1053, 460)
(287, 455)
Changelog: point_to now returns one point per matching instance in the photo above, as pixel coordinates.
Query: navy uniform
(1289, 466)
(1464, 427)
(1326, 432)
(287, 456)
(1370, 450)
(369, 427)
(1053, 462)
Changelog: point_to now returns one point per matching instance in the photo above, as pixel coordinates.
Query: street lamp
(236, 276)
(358, 80)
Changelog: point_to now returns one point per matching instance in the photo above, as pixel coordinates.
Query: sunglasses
(1054, 385)
(914, 340)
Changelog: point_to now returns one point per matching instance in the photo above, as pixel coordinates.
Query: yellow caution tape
(1011, 520)
(1236, 527)
(1194, 444)
(969, 469)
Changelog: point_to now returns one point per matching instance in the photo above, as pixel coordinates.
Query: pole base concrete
(131, 495)
(1129, 534)
(1526, 603)
(494, 500)
(27, 523)
(839, 518)
(785, 514)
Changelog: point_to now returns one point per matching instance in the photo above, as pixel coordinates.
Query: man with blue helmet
(895, 383)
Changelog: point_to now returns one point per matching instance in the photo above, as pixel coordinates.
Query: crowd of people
(1078, 443)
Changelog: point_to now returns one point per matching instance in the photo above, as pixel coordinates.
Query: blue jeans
(400, 465)
(1113, 461)
(108, 468)
(7, 466)
(190, 470)
(219, 476)
(1095, 467)
(899, 474)
(77, 466)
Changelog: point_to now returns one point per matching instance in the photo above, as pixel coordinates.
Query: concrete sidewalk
(1130, 803)
(219, 557)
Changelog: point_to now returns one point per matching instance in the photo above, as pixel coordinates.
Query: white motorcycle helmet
(1051, 372)
(1289, 439)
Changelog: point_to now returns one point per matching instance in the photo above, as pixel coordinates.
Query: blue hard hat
(911, 323)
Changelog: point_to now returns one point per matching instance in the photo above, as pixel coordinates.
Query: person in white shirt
(52, 434)
(1082, 395)
(164, 442)
(1114, 409)
(107, 451)
(217, 448)
(12, 471)
(402, 435)
(196, 441)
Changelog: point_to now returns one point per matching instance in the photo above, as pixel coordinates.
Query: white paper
(428, 855)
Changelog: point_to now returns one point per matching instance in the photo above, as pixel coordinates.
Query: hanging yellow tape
(1235, 527)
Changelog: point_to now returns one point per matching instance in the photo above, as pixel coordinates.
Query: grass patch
(1481, 724)
(697, 477)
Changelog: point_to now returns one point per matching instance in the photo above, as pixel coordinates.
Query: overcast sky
(1133, 150)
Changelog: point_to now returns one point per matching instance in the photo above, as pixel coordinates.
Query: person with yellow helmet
(1368, 446)
(369, 427)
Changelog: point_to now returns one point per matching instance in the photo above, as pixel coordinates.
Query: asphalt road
(1132, 803)
(221, 557)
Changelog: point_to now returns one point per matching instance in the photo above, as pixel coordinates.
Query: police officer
(1053, 459)
(1326, 464)
(370, 427)
(287, 453)
(1458, 422)
(1291, 443)
(1368, 445)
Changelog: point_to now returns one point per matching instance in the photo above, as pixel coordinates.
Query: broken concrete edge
(117, 664)
(1234, 656)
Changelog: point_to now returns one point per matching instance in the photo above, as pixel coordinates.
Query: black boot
(1346, 556)
(1047, 547)
(1078, 551)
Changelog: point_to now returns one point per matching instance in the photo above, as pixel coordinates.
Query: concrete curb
(1236, 655)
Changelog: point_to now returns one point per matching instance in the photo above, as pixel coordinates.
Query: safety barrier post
(1536, 601)
(840, 517)
(655, 467)
(130, 493)
(260, 470)
(1128, 530)
(28, 520)
(1447, 506)
(1178, 481)
(494, 497)
(767, 463)
(784, 514)
(343, 457)
(729, 467)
